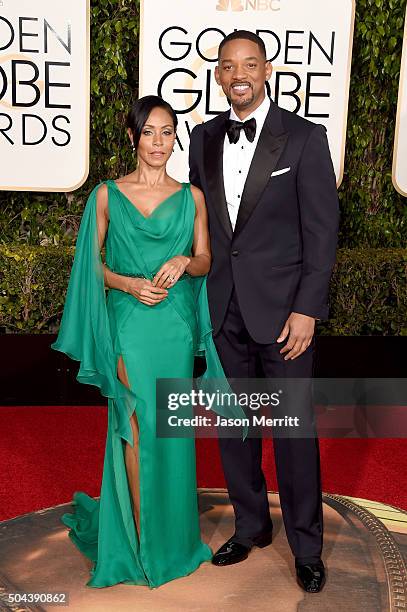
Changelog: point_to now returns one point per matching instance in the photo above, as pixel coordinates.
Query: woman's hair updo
(140, 111)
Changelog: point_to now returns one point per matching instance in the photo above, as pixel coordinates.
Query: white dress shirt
(238, 157)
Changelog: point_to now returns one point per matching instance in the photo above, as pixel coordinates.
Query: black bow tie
(234, 127)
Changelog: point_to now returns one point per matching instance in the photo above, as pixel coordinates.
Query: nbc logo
(225, 5)
(247, 5)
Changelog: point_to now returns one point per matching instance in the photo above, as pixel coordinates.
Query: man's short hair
(246, 35)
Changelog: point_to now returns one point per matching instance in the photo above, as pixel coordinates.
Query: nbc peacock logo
(226, 5)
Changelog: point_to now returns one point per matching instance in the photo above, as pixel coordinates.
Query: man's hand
(300, 329)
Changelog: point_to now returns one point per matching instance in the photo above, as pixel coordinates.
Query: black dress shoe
(311, 576)
(229, 553)
(234, 552)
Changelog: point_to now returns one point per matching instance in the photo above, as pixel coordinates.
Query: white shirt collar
(260, 113)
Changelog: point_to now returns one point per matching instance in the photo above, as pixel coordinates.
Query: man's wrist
(303, 314)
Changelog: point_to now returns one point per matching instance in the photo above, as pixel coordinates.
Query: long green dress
(158, 341)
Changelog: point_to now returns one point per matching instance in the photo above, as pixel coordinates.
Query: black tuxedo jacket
(281, 254)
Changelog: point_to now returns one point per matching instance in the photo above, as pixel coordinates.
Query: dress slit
(132, 453)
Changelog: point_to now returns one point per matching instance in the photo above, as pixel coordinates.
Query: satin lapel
(213, 156)
(269, 148)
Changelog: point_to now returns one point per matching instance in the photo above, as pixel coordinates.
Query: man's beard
(245, 102)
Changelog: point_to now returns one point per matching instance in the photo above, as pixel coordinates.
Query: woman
(145, 528)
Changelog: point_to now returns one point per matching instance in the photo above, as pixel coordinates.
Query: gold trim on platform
(392, 558)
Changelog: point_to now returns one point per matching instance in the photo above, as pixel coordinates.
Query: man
(272, 202)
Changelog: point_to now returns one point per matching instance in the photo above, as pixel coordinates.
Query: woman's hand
(171, 271)
(145, 291)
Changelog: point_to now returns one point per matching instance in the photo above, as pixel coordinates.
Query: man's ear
(269, 70)
(217, 75)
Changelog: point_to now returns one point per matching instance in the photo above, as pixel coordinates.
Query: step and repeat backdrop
(44, 94)
(45, 77)
(308, 43)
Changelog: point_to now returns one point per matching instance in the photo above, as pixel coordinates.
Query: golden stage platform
(365, 552)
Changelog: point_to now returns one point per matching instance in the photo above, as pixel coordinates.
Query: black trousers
(297, 459)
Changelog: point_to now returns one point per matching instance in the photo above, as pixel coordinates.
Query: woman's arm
(112, 280)
(200, 262)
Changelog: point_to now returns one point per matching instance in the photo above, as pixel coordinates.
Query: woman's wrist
(125, 284)
(198, 265)
(120, 282)
(188, 261)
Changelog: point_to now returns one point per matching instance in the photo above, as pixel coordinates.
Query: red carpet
(47, 453)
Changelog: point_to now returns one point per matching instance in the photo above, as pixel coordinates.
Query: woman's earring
(133, 148)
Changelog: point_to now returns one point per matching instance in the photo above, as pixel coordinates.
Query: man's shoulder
(295, 123)
(210, 125)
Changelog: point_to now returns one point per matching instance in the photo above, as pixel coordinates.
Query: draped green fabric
(155, 342)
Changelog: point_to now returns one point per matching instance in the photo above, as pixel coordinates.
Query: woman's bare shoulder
(198, 195)
(102, 199)
(102, 192)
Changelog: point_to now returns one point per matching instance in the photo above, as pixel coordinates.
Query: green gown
(155, 342)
